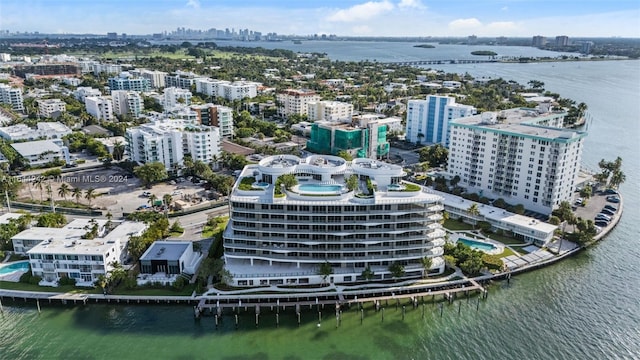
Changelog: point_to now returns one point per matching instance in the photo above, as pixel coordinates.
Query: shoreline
(333, 295)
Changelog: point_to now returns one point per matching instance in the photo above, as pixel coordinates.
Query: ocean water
(586, 307)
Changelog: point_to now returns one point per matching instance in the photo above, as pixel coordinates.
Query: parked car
(610, 208)
(601, 223)
(607, 212)
(611, 192)
(176, 193)
(579, 201)
(146, 194)
(603, 217)
(614, 199)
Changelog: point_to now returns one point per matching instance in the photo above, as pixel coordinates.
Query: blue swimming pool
(478, 245)
(318, 188)
(13, 267)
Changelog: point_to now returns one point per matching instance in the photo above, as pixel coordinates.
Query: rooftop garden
(246, 183)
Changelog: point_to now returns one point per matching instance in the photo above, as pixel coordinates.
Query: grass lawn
(211, 231)
(8, 285)
(452, 224)
(176, 233)
(180, 54)
(506, 252)
(505, 239)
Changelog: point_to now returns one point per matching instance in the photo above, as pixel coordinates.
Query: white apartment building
(175, 97)
(156, 78)
(71, 81)
(521, 227)
(276, 239)
(42, 152)
(428, 120)
(100, 106)
(12, 96)
(511, 155)
(228, 90)
(4, 57)
(292, 101)
(98, 68)
(84, 91)
(127, 103)
(330, 111)
(49, 107)
(167, 141)
(56, 253)
(46, 130)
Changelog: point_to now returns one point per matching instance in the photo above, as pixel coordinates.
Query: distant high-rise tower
(539, 41)
(562, 40)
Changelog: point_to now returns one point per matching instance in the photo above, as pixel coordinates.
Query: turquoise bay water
(586, 307)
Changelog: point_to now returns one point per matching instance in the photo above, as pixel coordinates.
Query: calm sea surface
(587, 307)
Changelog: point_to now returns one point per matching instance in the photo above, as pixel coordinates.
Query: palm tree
(90, 194)
(39, 183)
(118, 150)
(77, 194)
(64, 190)
(167, 199)
(474, 211)
(152, 199)
(426, 265)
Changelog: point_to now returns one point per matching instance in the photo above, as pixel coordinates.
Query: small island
(484, 53)
(424, 46)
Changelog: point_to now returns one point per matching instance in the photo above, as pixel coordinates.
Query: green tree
(64, 190)
(76, 193)
(474, 211)
(55, 220)
(426, 262)
(90, 194)
(367, 273)
(396, 269)
(345, 155)
(586, 191)
(352, 182)
(118, 150)
(287, 180)
(150, 173)
(325, 271)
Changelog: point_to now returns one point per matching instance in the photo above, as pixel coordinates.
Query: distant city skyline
(515, 18)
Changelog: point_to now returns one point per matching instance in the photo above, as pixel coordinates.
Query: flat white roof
(165, 250)
(497, 214)
(68, 240)
(4, 218)
(29, 148)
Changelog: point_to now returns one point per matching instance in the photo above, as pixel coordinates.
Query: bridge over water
(441, 62)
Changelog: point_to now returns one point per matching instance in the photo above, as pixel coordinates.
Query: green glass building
(362, 142)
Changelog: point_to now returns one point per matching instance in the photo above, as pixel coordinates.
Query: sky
(511, 18)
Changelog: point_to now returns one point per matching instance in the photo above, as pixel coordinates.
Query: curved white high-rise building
(284, 236)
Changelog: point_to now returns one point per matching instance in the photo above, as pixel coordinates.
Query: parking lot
(117, 190)
(594, 206)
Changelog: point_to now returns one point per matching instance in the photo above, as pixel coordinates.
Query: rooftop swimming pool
(479, 245)
(13, 267)
(319, 188)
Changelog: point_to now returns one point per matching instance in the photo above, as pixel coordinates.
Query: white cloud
(417, 4)
(502, 27)
(504, 8)
(361, 12)
(465, 24)
(194, 4)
